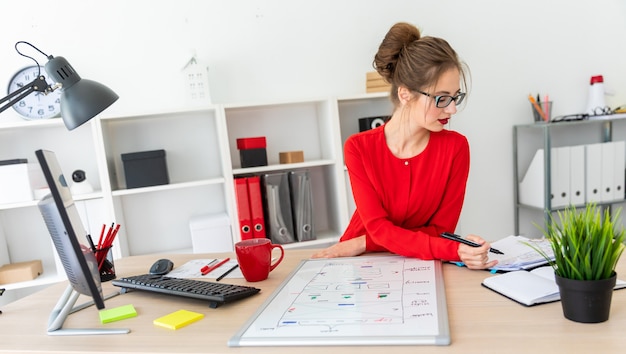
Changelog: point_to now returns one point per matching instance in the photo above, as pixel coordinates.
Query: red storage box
(251, 143)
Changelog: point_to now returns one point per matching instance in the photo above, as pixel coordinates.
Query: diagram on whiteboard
(355, 297)
(369, 293)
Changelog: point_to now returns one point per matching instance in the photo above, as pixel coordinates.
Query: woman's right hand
(476, 257)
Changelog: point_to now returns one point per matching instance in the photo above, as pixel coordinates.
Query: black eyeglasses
(443, 101)
(602, 111)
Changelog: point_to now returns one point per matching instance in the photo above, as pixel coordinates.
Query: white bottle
(596, 95)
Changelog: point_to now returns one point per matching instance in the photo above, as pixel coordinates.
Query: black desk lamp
(81, 99)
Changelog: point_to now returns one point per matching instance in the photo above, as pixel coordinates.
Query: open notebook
(530, 287)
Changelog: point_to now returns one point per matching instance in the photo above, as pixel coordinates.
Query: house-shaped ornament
(196, 82)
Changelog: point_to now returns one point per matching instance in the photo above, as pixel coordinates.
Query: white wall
(281, 50)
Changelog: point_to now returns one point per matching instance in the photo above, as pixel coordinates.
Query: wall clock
(37, 105)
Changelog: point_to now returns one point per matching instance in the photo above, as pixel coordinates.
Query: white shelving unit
(202, 160)
(528, 138)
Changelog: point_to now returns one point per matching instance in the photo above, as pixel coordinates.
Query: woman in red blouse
(409, 176)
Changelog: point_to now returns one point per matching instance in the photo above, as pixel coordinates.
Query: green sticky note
(117, 313)
(178, 319)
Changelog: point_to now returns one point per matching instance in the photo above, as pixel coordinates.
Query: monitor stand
(64, 308)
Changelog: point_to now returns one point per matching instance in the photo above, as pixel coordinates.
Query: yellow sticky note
(117, 313)
(178, 319)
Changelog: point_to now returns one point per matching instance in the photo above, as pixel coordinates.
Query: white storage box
(15, 183)
(211, 233)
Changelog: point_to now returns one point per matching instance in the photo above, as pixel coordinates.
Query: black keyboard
(215, 293)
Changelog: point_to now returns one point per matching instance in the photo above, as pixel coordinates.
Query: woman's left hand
(476, 257)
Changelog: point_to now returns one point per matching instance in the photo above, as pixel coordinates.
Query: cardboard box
(375, 83)
(15, 186)
(210, 233)
(22, 271)
(291, 156)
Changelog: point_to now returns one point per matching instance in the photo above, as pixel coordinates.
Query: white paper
(518, 254)
(191, 270)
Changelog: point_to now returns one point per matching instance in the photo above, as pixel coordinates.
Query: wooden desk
(481, 321)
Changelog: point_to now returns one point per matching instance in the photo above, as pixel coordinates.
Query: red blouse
(404, 204)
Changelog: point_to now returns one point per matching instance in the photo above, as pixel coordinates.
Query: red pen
(101, 239)
(208, 268)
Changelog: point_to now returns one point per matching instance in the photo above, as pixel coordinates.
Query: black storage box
(145, 168)
(253, 157)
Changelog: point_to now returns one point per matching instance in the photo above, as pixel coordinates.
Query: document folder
(560, 183)
(279, 220)
(608, 172)
(532, 186)
(593, 172)
(302, 205)
(577, 175)
(243, 208)
(256, 207)
(619, 152)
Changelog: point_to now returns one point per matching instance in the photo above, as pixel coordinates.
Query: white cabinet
(202, 161)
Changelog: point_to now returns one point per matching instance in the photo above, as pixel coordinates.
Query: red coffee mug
(255, 258)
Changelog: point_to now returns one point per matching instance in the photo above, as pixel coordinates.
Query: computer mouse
(161, 267)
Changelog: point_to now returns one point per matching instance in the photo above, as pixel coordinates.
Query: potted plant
(587, 245)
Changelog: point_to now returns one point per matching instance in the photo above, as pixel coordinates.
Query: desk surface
(480, 320)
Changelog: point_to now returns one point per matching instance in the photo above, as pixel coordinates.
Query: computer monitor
(64, 225)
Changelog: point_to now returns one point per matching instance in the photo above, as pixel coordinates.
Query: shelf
(33, 203)
(552, 139)
(15, 122)
(46, 278)
(167, 187)
(323, 240)
(281, 167)
(556, 209)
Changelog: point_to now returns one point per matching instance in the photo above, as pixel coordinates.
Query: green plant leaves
(587, 244)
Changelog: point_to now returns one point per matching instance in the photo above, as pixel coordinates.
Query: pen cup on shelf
(542, 111)
(104, 257)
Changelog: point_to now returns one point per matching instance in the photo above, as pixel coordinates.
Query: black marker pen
(457, 238)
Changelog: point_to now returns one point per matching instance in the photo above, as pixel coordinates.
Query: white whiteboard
(367, 300)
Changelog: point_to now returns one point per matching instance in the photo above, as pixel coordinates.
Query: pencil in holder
(542, 111)
(104, 257)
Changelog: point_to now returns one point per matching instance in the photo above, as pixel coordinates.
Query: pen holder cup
(546, 111)
(106, 267)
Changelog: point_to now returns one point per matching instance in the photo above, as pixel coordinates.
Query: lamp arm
(39, 85)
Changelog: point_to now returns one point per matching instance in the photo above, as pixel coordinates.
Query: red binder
(243, 208)
(256, 207)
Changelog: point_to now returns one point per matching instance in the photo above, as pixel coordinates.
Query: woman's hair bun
(399, 36)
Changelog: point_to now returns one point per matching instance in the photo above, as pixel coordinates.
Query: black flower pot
(586, 301)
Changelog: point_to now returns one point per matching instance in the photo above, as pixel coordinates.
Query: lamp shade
(81, 99)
